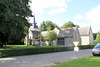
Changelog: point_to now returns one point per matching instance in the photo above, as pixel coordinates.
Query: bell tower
(34, 23)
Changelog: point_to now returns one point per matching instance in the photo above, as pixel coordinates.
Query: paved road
(42, 59)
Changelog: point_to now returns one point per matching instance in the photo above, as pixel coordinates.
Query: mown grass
(82, 62)
(7, 47)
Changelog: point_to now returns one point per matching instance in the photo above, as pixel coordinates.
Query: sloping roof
(84, 30)
(44, 33)
(66, 32)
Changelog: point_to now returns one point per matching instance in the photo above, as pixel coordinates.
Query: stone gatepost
(27, 40)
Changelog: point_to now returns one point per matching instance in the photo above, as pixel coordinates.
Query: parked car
(96, 50)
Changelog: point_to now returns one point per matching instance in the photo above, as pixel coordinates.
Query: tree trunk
(50, 43)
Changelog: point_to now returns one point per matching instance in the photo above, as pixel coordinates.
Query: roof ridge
(68, 27)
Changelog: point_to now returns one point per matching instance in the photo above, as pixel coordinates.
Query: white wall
(30, 35)
(84, 40)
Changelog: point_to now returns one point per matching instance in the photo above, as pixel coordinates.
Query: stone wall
(77, 36)
(91, 38)
(69, 41)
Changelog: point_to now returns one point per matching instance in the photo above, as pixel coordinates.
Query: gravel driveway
(41, 60)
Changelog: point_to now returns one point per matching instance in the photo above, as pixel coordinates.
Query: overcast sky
(80, 12)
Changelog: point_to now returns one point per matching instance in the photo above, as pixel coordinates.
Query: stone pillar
(27, 40)
(33, 40)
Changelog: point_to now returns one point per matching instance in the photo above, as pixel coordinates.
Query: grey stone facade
(66, 36)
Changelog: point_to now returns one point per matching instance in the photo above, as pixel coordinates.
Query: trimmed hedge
(86, 46)
(39, 50)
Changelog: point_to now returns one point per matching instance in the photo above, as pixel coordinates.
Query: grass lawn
(7, 47)
(16, 47)
(82, 62)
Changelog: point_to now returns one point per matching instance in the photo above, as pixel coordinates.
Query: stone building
(86, 35)
(33, 30)
(66, 36)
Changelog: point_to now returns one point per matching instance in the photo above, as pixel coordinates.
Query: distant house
(66, 36)
(86, 35)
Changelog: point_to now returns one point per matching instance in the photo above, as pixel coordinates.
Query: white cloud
(55, 11)
(84, 25)
(94, 15)
(68, 0)
(55, 20)
(95, 29)
(38, 6)
(78, 17)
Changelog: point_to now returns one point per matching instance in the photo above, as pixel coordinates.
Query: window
(60, 41)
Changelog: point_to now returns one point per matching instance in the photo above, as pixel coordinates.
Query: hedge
(39, 50)
(86, 47)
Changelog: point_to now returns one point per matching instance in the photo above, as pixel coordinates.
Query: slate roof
(84, 30)
(66, 32)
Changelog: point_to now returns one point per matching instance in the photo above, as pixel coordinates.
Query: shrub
(86, 46)
(39, 50)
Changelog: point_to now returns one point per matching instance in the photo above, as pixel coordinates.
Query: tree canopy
(13, 23)
(45, 24)
(68, 24)
(37, 37)
(98, 37)
(51, 36)
(94, 36)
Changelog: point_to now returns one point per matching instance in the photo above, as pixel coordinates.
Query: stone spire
(34, 23)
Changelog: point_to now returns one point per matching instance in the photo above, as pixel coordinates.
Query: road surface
(42, 60)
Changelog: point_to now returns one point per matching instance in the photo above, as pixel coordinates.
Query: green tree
(37, 37)
(98, 37)
(45, 24)
(68, 24)
(51, 36)
(94, 35)
(13, 22)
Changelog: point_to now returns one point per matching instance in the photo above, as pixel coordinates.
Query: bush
(39, 50)
(25, 51)
(86, 46)
(95, 42)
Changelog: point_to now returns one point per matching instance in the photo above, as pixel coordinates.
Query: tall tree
(98, 37)
(13, 22)
(68, 24)
(45, 24)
